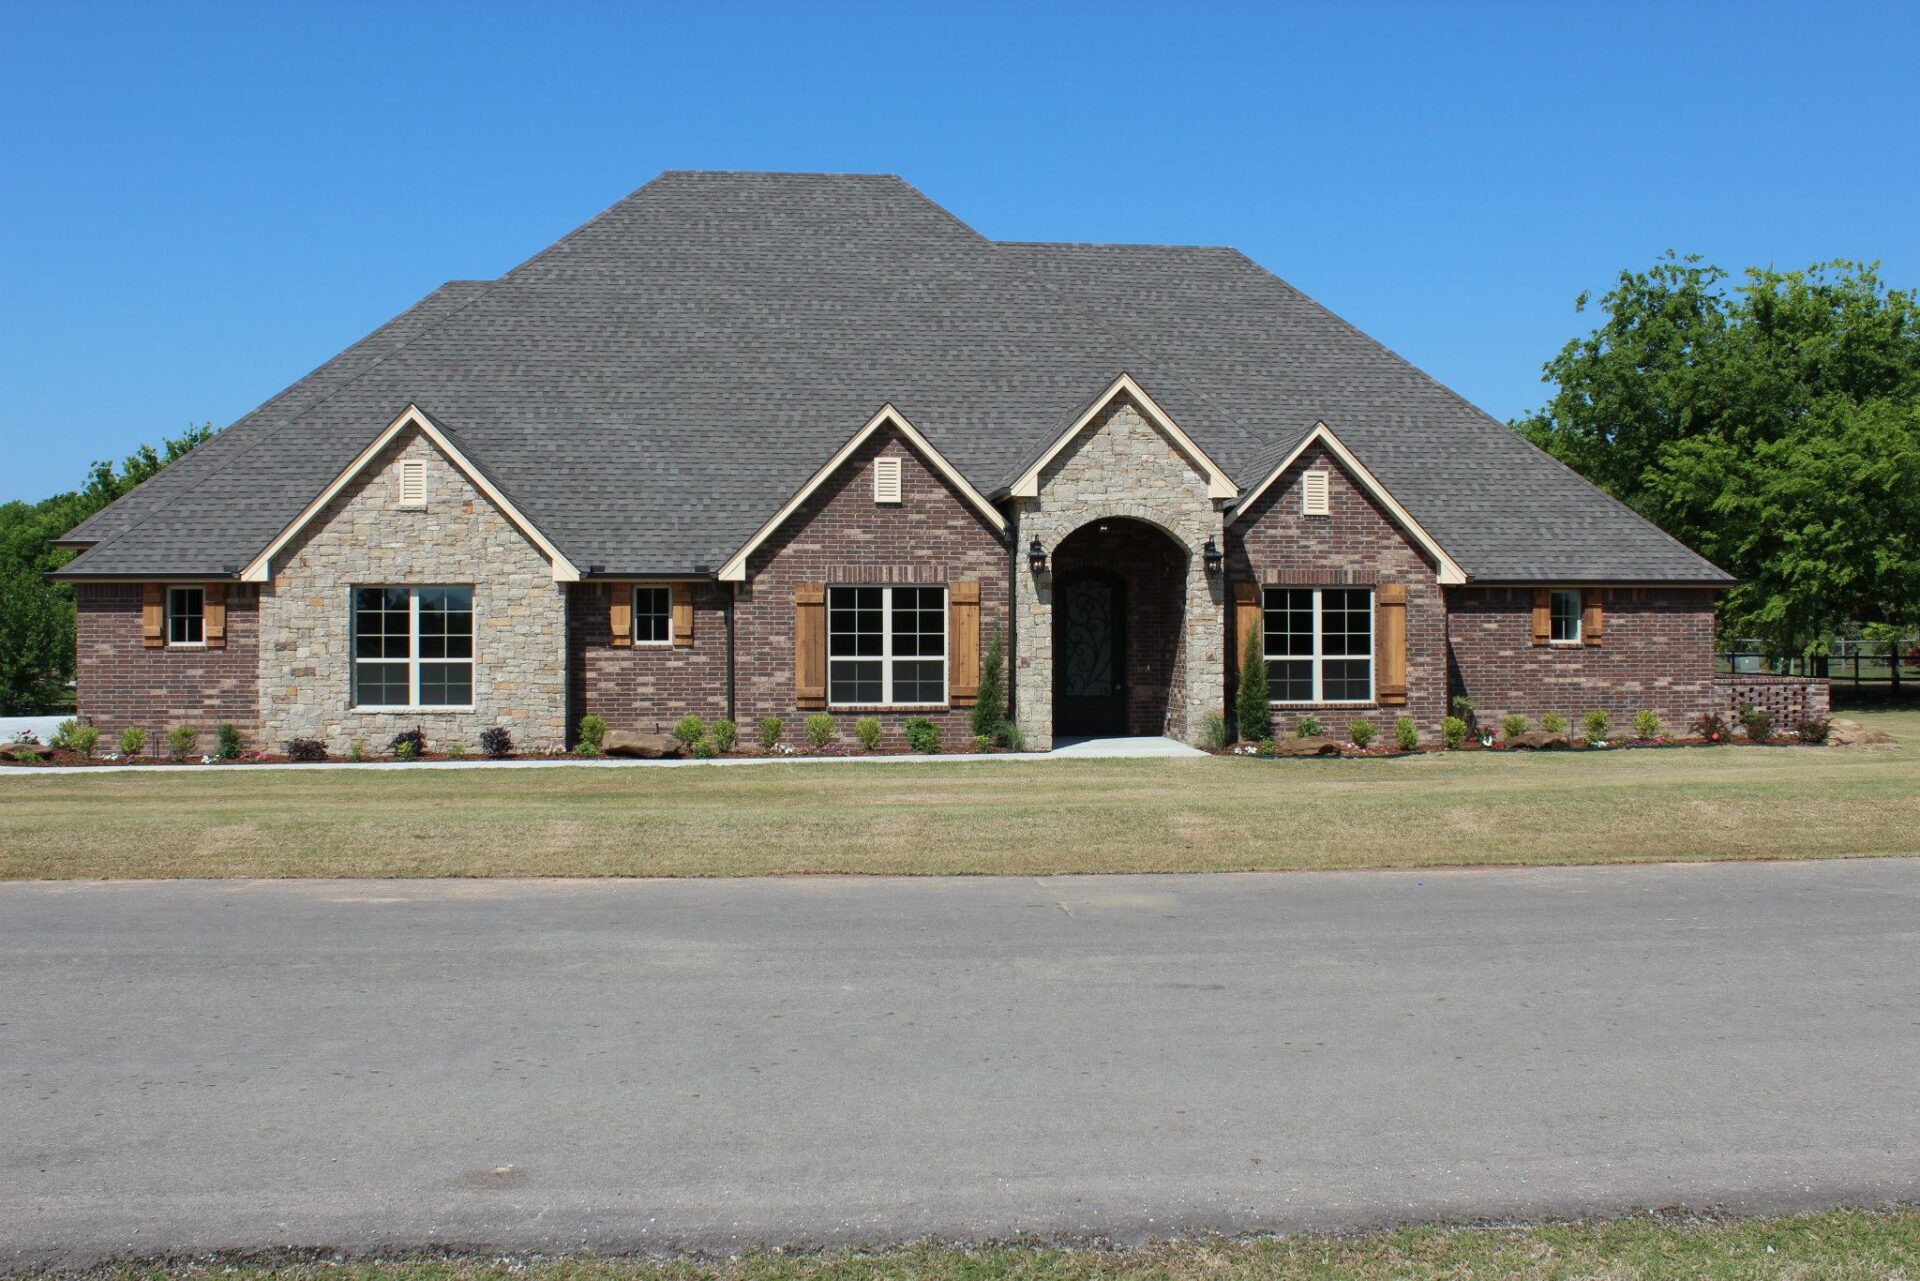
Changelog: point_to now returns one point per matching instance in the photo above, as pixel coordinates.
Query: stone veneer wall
(1357, 544)
(1656, 653)
(646, 688)
(840, 535)
(122, 683)
(365, 538)
(1120, 466)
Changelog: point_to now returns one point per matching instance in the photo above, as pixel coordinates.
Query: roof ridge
(1112, 244)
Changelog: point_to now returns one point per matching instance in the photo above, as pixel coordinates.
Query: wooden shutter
(810, 644)
(153, 615)
(1247, 607)
(1593, 620)
(682, 615)
(1542, 615)
(620, 613)
(1390, 643)
(214, 614)
(963, 643)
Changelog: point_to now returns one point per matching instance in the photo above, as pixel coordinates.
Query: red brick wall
(841, 536)
(645, 688)
(1657, 653)
(1356, 545)
(123, 683)
(1154, 569)
(1788, 699)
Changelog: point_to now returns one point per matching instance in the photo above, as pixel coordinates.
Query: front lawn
(1842, 1245)
(994, 818)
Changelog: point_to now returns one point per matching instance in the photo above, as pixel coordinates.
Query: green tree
(990, 705)
(1252, 712)
(1772, 425)
(36, 617)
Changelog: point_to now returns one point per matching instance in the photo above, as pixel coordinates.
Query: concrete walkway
(1069, 749)
(634, 1065)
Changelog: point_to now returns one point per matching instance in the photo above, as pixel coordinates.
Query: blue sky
(200, 203)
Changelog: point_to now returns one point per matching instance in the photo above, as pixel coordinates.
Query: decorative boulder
(26, 751)
(1312, 745)
(645, 747)
(1846, 733)
(1538, 740)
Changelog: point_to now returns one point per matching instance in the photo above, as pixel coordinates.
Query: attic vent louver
(413, 482)
(1313, 494)
(886, 480)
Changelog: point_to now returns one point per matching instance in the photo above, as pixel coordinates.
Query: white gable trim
(735, 570)
(260, 568)
(1218, 484)
(1450, 572)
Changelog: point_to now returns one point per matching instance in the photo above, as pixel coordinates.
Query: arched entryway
(1119, 610)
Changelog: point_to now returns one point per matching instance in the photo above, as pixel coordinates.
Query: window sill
(876, 708)
(422, 710)
(1366, 702)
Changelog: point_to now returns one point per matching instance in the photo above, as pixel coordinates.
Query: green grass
(1838, 1245)
(996, 818)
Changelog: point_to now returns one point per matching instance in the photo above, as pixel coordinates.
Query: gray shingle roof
(652, 387)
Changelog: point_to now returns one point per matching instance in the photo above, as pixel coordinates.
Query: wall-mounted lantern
(1037, 557)
(1212, 558)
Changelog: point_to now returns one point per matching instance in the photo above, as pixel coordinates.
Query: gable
(1124, 388)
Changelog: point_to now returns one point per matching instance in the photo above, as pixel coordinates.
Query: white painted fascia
(260, 568)
(1218, 483)
(1450, 572)
(735, 570)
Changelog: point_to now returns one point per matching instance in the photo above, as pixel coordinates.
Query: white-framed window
(887, 646)
(1563, 615)
(652, 615)
(886, 480)
(412, 647)
(1319, 644)
(186, 616)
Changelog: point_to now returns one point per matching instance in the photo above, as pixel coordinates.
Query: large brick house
(754, 445)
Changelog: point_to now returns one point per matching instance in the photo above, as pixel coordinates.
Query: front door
(1089, 655)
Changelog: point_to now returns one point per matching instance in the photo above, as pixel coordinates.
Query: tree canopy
(1772, 424)
(36, 617)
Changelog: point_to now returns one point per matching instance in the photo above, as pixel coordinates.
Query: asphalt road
(645, 1065)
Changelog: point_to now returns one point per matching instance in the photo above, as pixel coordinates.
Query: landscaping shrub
(456, 750)
(1362, 733)
(1813, 729)
(1463, 710)
(593, 732)
(584, 748)
(690, 730)
(1453, 731)
(1307, 727)
(1712, 727)
(703, 747)
(1514, 726)
(1758, 722)
(725, 735)
(1596, 724)
(496, 742)
(983, 742)
(1252, 712)
(1012, 737)
(181, 740)
(1265, 747)
(923, 735)
(1213, 728)
(867, 730)
(409, 744)
(132, 740)
(820, 730)
(227, 742)
(1406, 734)
(990, 702)
(771, 728)
(357, 750)
(1645, 725)
(1554, 723)
(306, 749)
(84, 739)
(62, 739)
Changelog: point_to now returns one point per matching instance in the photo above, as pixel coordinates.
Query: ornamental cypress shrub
(1250, 704)
(990, 707)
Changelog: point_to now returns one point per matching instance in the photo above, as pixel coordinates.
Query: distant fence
(1843, 671)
